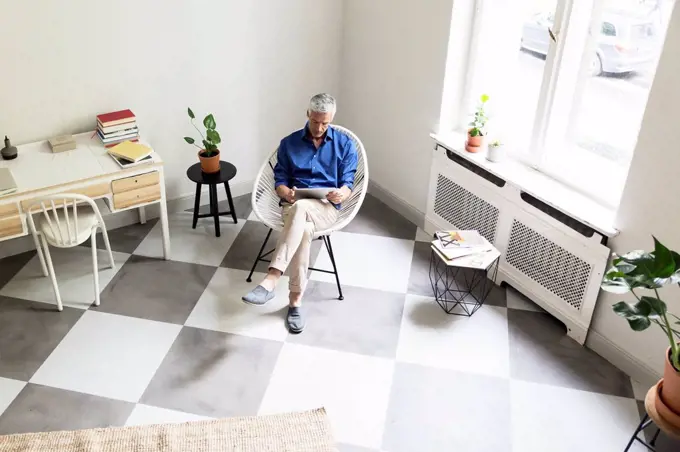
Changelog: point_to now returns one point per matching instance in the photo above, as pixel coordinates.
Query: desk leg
(165, 228)
(142, 215)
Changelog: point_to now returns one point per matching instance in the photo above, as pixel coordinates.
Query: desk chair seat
(266, 205)
(66, 221)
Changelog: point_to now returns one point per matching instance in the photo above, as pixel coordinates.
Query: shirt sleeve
(282, 174)
(348, 165)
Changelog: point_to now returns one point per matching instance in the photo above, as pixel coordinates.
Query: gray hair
(322, 103)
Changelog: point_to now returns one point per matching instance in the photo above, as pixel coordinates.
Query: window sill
(558, 195)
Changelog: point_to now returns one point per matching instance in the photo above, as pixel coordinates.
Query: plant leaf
(189, 140)
(213, 136)
(637, 315)
(209, 122)
(191, 113)
(664, 264)
(484, 98)
(657, 306)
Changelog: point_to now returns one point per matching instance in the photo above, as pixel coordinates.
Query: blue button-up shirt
(300, 164)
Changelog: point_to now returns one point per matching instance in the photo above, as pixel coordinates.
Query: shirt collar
(330, 133)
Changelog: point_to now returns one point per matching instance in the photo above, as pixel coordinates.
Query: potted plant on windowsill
(495, 152)
(209, 154)
(477, 130)
(640, 270)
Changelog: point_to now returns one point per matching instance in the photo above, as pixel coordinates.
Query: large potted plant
(477, 130)
(209, 154)
(642, 271)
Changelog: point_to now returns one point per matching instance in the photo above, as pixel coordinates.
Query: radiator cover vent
(464, 209)
(548, 264)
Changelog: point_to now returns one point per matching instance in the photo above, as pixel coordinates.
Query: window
(568, 82)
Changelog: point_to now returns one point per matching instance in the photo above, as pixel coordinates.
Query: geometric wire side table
(455, 283)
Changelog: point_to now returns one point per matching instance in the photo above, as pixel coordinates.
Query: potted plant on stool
(209, 154)
(639, 270)
(476, 132)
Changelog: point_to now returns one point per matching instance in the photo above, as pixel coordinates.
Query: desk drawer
(11, 226)
(93, 191)
(133, 183)
(135, 197)
(9, 210)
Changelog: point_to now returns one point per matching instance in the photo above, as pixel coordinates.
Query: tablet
(313, 193)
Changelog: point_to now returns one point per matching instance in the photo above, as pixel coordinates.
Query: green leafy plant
(479, 119)
(211, 138)
(495, 143)
(640, 270)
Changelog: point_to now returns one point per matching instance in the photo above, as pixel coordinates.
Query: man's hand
(287, 194)
(339, 196)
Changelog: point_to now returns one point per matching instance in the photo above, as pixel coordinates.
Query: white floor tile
(9, 389)
(558, 419)
(108, 355)
(431, 337)
(198, 246)
(422, 236)
(253, 217)
(368, 261)
(354, 389)
(220, 308)
(73, 267)
(151, 415)
(518, 301)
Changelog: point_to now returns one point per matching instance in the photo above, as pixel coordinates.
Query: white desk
(87, 170)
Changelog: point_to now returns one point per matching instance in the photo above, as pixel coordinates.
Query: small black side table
(226, 173)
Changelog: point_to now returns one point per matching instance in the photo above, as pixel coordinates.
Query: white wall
(651, 201)
(392, 78)
(254, 64)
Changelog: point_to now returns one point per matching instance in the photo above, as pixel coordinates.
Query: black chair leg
(259, 255)
(197, 205)
(231, 202)
(329, 248)
(214, 210)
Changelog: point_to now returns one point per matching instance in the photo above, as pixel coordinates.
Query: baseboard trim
(128, 217)
(620, 358)
(397, 204)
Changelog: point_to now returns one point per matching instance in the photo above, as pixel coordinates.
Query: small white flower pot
(495, 153)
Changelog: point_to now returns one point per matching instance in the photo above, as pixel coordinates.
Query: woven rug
(297, 432)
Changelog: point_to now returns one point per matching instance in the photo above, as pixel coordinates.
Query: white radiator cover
(557, 267)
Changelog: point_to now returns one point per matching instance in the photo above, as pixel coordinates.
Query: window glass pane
(615, 71)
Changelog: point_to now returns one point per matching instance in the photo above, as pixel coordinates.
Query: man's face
(318, 123)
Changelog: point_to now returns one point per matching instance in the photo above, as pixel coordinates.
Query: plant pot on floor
(210, 163)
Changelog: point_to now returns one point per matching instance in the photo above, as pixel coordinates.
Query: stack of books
(456, 244)
(128, 154)
(116, 127)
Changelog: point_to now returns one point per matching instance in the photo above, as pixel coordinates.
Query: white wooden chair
(266, 205)
(66, 221)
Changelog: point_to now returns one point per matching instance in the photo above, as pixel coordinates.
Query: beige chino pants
(300, 221)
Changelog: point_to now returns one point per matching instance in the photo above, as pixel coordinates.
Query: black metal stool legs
(197, 205)
(644, 423)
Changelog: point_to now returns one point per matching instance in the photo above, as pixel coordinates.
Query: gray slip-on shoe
(258, 296)
(295, 320)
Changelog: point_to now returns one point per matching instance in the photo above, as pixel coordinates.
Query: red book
(115, 118)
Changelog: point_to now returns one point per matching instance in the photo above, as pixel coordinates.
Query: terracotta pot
(211, 164)
(475, 141)
(668, 415)
(472, 149)
(671, 392)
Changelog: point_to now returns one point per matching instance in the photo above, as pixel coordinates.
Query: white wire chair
(266, 205)
(61, 229)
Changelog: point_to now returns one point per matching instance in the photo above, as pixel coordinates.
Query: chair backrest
(265, 201)
(61, 215)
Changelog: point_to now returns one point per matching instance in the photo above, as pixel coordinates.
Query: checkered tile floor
(172, 342)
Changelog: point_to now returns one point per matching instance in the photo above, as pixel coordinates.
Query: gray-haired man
(315, 157)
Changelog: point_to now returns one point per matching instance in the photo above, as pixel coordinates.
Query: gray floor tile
(244, 250)
(367, 321)
(443, 410)
(42, 409)
(125, 239)
(541, 352)
(242, 205)
(11, 265)
(29, 332)
(213, 374)
(155, 289)
(376, 218)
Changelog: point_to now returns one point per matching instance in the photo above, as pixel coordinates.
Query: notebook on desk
(7, 183)
(132, 152)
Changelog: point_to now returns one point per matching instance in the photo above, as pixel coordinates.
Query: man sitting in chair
(315, 157)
